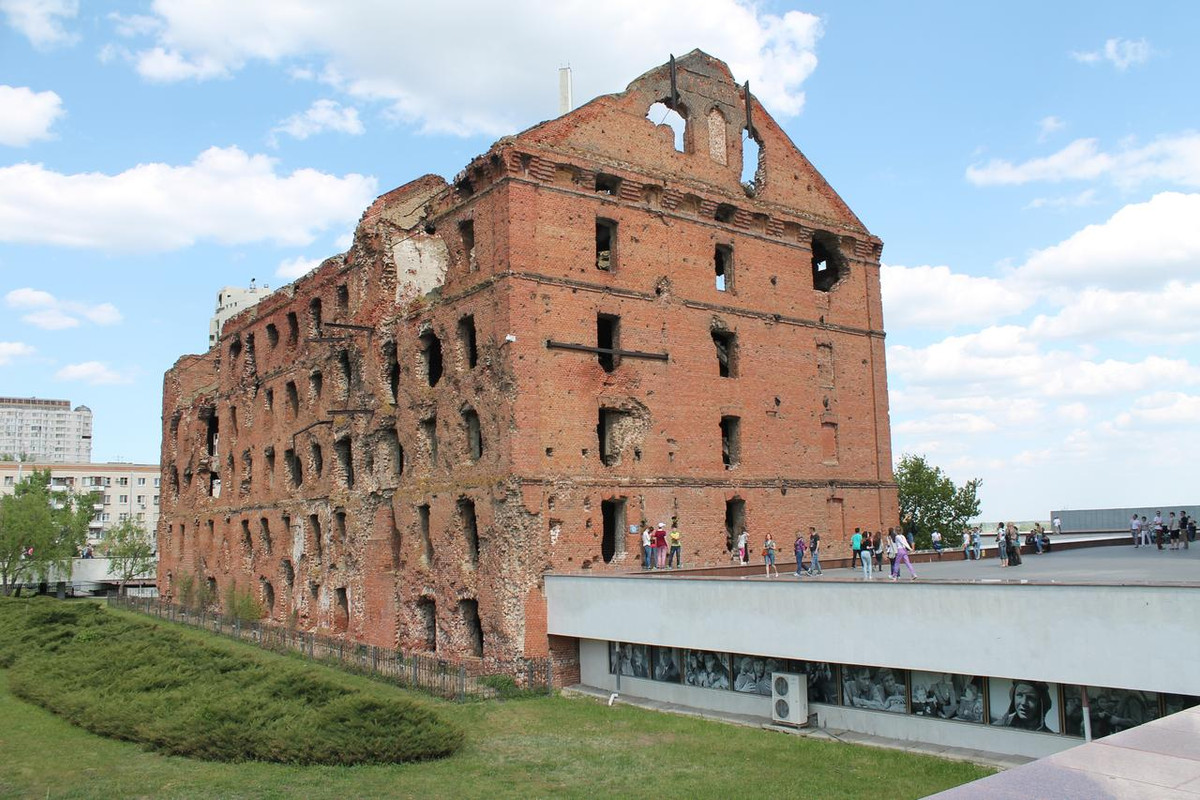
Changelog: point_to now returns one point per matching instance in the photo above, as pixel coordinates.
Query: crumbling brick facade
(588, 330)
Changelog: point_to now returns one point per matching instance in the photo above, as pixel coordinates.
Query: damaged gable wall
(506, 372)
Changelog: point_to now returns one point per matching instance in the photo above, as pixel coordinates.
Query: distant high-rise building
(233, 300)
(47, 431)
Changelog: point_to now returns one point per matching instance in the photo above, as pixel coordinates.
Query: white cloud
(225, 195)
(1170, 315)
(41, 21)
(53, 314)
(468, 82)
(1121, 53)
(1048, 126)
(1085, 198)
(936, 297)
(27, 115)
(294, 268)
(321, 116)
(1171, 159)
(94, 373)
(1142, 245)
(13, 350)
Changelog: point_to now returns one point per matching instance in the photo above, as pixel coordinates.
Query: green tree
(934, 502)
(40, 530)
(130, 551)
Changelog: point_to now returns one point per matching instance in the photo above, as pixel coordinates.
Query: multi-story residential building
(124, 491)
(48, 431)
(590, 329)
(233, 300)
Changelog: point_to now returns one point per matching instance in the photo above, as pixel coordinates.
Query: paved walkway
(1116, 564)
(997, 760)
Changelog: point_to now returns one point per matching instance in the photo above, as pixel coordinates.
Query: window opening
(827, 262)
(395, 451)
(393, 370)
(609, 448)
(289, 574)
(314, 315)
(725, 213)
(343, 297)
(723, 267)
(272, 335)
(247, 540)
(345, 456)
(427, 614)
(269, 458)
(613, 537)
(431, 355)
(606, 242)
(466, 512)
(474, 437)
(607, 184)
(293, 466)
(470, 615)
(268, 597)
(342, 621)
(663, 114)
(731, 444)
(347, 370)
(608, 337)
(264, 533)
(235, 349)
(316, 384)
(339, 525)
(423, 527)
(212, 437)
(314, 525)
(466, 340)
(466, 230)
(726, 344)
(293, 397)
(735, 520)
(318, 459)
(429, 429)
(269, 399)
(293, 328)
(751, 163)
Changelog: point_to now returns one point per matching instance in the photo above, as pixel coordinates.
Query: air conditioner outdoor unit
(789, 699)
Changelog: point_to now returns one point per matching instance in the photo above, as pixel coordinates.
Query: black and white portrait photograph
(947, 696)
(631, 659)
(1112, 710)
(822, 680)
(666, 665)
(1021, 703)
(706, 669)
(875, 689)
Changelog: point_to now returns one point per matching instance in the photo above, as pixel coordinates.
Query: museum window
(289, 573)
(731, 441)
(212, 435)
(827, 262)
(247, 540)
(608, 184)
(264, 533)
(609, 448)
(392, 368)
(269, 458)
(474, 437)
(342, 295)
(427, 617)
(466, 231)
(606, 245)
(429, 431)
(339, 525)
(235, 349)
(272, 335)
(608, 341)
(423, 529)
(466, 341)
(466, 512)
(725, 343)
(470, 616)
(723, 267)
(293, 328)
(316, 384)
(431, 357)
(395, 451)
(735, 520)
(612, 541)
(345, 456)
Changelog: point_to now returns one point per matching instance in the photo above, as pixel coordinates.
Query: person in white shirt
(901, 545)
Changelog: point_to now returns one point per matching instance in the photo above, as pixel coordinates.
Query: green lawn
(527, 748)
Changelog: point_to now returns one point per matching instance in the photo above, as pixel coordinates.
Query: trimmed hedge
(133, 680)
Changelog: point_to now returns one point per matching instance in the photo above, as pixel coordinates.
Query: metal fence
(446, 678)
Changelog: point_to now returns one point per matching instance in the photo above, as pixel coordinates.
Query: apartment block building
(49, 431)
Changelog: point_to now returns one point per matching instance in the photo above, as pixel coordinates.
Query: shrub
(134, 680)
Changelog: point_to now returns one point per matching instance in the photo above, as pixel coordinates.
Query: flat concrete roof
(1159, 760)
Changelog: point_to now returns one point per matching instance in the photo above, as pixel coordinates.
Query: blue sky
(1032, 168)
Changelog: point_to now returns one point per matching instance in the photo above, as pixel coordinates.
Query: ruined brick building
(588, 329)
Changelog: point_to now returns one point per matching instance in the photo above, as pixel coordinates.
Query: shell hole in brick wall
(663, 114)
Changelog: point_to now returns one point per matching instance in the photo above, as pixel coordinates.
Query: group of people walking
(1178, 531)
(869, 549)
